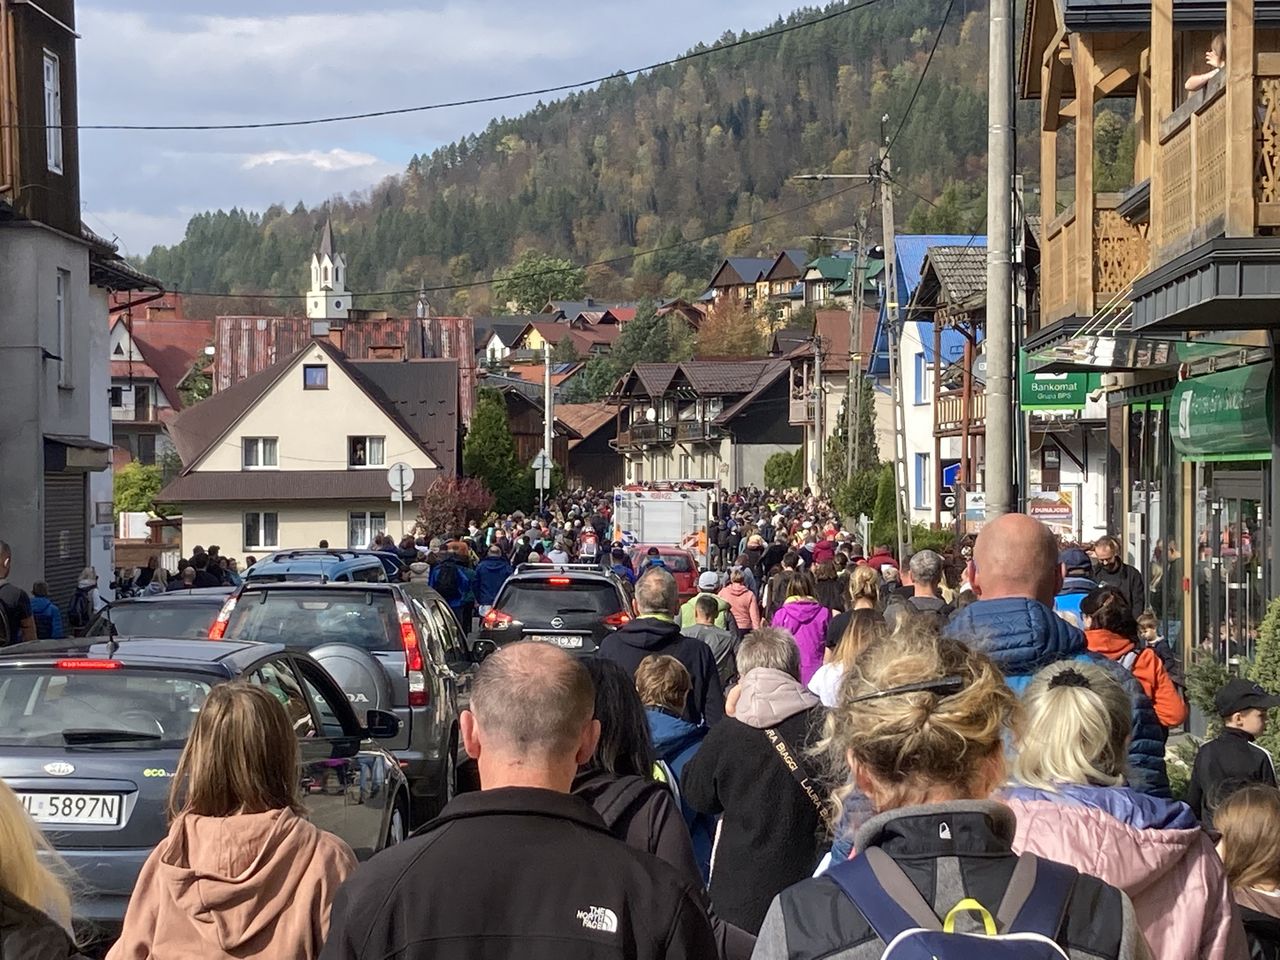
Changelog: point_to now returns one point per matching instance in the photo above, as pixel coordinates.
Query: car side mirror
(381, 724)
(482, 649)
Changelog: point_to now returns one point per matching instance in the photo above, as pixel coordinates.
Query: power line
(440, 288)
(920, 80)
(472, 101)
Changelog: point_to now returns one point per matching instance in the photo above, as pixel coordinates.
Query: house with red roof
(154, 350)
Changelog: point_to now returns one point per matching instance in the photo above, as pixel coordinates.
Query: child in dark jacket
(1232, 759)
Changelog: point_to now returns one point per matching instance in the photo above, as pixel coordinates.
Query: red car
(679, 562)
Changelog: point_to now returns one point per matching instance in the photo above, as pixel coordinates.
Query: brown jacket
(243, 887)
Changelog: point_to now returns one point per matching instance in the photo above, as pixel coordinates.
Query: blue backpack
(1023, 928)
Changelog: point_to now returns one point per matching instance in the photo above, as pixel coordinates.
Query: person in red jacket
(1112, 630)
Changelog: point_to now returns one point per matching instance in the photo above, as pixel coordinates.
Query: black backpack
(81, 610)
(449, 582)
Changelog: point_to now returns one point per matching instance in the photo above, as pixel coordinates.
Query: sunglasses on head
(944, 686)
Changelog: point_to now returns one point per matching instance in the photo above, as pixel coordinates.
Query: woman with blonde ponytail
(1073, 806)
(35, 908)
(919, 728)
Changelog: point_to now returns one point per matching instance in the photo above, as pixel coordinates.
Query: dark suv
(574, 606)
(388, 648)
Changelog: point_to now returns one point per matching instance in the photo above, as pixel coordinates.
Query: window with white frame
(62, 320)
(52, 112)
(924, 481)
(260, 453)
(261, 531)
(923, 392)
(362, 526)
(366, 451)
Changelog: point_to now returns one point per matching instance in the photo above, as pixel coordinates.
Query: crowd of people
(823, 751)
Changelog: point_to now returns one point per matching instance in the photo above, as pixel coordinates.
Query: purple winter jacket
(807, 620)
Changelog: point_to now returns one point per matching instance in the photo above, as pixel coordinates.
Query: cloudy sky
(156, 61)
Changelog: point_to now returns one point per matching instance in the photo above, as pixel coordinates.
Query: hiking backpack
(449, 581)
(80, 611)
(1023, 927)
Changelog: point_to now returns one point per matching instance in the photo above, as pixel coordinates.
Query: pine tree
(884, 522)
(489, 452)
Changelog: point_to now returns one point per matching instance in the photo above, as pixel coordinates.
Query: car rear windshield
(38, 704)
(537, 601)
(171, 619)
(675, 562)
(309, 618)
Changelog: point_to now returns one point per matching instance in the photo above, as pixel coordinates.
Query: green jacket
(722, 620)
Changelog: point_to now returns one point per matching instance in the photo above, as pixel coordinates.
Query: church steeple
(328, 299)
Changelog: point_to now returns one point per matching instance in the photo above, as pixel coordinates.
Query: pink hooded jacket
(1154, 850)
(807, 620)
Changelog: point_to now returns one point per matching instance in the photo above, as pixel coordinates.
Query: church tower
(328, 301)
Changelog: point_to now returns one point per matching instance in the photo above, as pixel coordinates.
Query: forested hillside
(661, 160)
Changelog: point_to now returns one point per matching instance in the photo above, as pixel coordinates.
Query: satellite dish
(651, 415)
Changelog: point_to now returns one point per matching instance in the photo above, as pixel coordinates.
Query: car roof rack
(297, 552)
(561, 567)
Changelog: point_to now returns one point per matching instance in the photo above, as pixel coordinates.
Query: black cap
(1237, 695)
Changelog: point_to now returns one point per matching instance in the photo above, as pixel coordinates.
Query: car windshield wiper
(105, 736)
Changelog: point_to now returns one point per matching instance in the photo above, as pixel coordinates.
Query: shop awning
(1224, 416)
(75, 454)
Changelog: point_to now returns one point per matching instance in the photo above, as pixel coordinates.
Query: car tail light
(559, 581)
(616, 620)
(219, 628)
(415, 668)
(88, 665)
(495, 619)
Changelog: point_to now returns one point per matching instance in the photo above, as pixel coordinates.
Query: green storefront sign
(1223, 416)
(1054, 391)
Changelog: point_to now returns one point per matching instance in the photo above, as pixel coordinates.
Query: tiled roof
(277, 485)
(534, 372)
(585, 418)
(720, 377)
(197, 428)
(745, 269)
(170, 348)
(961, 270)
(508, 328)
(769, 372)
(424, 394)
(655, 377)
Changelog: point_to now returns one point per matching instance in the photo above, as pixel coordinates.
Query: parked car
(179, 614)
(91, 732)
(679, 562)
(339, 566)
(387, 649)
(574, 606)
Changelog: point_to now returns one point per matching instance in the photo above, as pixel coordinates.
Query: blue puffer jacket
(1022, 636)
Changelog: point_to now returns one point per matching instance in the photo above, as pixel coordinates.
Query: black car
(91, 732)
(178, 614)
(574, 606)
(389, 646)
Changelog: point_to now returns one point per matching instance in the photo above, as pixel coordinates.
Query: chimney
(387, 351)
(334, 336)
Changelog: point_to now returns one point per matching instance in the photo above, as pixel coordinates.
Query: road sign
(400, 478)
(947, 490)
(541, 461)
(542, 478)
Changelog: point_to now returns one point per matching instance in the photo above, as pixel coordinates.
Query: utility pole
(901, 475)
(999, 441)
(819, 401)
(548, 414)
(853, 394)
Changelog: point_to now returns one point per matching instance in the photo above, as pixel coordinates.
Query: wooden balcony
(1192, 189)
(801, 411)
(1113, 253)
(948, 414)
(640, 434)
(697, 431)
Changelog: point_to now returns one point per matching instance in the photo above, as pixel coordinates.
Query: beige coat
(250, 886)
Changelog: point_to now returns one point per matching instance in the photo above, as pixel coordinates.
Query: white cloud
(327, 160)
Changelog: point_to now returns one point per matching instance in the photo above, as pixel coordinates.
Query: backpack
(448, 581)
(80, 611)
(1023, 927)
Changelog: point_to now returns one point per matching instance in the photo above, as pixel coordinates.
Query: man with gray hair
(926, 575)
(565, 886)
(655, 631)
(16, 622)
(756, 763)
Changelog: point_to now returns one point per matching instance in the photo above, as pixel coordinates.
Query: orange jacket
(1147, 669)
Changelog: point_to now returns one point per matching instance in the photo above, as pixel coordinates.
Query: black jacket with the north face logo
(517, 873)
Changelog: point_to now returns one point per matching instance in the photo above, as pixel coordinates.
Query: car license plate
(101, 809)
(560, 640)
